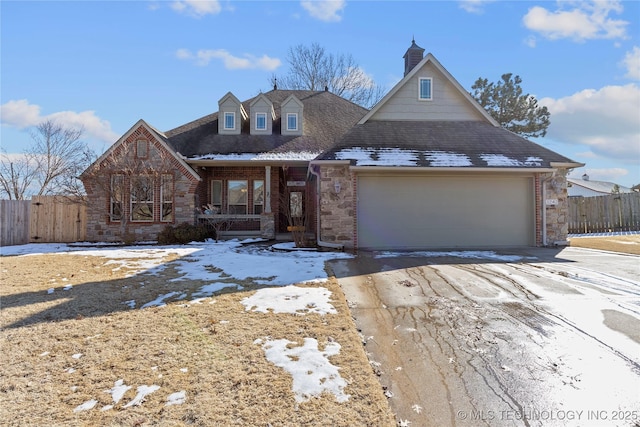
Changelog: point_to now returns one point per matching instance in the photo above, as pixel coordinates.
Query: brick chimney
(413, 57)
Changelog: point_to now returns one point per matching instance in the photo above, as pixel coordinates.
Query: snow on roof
(379, 157)
(408, 157)
(502, 160)
(289, 155)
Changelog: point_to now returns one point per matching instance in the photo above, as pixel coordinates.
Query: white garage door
(415, 212)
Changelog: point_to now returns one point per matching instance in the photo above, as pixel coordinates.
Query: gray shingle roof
(326, 118)
(439, 144)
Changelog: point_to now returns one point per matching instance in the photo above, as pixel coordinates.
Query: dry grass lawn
(629, 244)
(62, 349)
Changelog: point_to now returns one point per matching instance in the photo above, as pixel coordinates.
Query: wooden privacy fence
(14, 222)
(44, 219)
(602, 214)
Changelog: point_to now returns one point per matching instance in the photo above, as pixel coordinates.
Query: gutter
(414, 169)
(319, 242)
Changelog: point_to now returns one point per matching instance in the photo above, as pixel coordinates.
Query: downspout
(319, 242)
(543, 185)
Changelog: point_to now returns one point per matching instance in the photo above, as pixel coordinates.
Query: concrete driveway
(529, 337)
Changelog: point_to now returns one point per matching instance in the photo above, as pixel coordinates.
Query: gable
(450, 101)
(446, 104)
(155, 142)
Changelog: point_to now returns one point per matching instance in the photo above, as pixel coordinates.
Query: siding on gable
(447, 103)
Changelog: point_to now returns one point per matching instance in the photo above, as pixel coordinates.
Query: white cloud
(587, 20)
(474, 6)
(631, 62)
(21, 114)
(197, 8)
(204, 56)
(606, 120)
(324, 10)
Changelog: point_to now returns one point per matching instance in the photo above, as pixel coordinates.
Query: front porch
(256, 201)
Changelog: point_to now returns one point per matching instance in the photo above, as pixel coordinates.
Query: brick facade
(158, 161)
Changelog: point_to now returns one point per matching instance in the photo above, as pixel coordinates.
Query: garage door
(415, 212)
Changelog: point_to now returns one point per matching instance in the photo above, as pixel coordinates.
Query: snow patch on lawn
(290, 299)
(309, 366)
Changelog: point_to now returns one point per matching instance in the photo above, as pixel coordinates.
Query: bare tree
(128, 181)
(60, 155)
(313, 68)
(17, 174)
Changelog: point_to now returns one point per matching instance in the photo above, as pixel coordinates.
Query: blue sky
(104, 65)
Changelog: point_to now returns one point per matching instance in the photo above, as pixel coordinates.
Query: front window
(142, 198)
(166, 198)
(230, 120)
(258, 196)
(425, 89)
(261, 121)
(238, 196)
(292, 121)
(117, 192)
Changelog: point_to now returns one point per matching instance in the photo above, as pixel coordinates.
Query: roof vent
(585, 177)
(412, 57)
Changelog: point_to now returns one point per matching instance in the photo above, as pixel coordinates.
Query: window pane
(142, 198)
(229, 121)
(117, 183)
(238, 195)
(167, 197)
(292, 121)
(295, 203)
(261, 121)
(258, 196)
(216, 193)
(425, 88)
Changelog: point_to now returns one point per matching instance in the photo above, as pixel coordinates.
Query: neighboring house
(587, 188)
(426, 167)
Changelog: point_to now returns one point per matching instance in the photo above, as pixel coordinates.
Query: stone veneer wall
(557, 226)
(337, 209)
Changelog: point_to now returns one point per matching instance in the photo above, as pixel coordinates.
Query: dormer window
(231, 115)
(230, 121)
(291, 114)
(261, 121)
(425, 92)
(292, 121)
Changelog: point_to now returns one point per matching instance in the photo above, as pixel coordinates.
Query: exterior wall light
(336, 186)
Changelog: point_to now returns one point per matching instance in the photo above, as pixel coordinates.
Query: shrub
(183, 234)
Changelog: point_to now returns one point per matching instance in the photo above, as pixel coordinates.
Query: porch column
(267, 187)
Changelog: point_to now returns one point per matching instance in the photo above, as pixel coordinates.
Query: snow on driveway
(479, 338)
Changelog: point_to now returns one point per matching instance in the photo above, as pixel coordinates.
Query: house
(585, 187)
(426, 167)
(245, 165)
